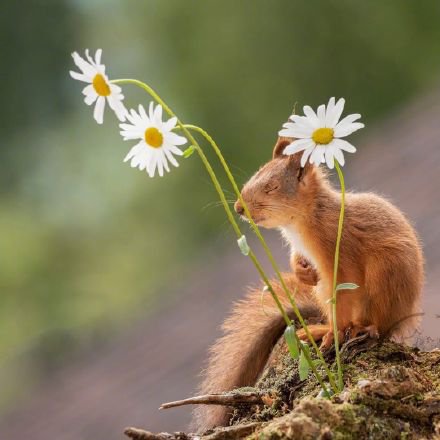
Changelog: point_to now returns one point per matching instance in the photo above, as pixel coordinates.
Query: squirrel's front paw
(306, 273)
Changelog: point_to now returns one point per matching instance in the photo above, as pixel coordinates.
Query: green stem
(185, 129)
(266, 249)
(335, 275)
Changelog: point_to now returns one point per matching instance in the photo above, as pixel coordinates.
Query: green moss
(381, 407)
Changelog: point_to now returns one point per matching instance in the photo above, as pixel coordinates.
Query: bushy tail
(239, 356)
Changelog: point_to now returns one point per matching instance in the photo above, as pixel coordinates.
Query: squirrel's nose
(238, 208)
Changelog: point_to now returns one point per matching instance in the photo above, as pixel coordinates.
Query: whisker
(216, 204)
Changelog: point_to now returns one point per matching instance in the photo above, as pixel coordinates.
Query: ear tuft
(280, 146)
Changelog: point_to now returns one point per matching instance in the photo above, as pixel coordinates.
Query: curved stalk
(266, 249)
(216, 183)
(335, 275)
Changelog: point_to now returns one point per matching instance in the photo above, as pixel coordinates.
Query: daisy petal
(306, 155)
(344, 145)
(89, 58)
(164, 161)
(317, 155)
(347, 128)
(339, 156)
(79, 76)
(301, 120)
(329, 111)
(333, 117)
(297, 132)
(98, 113)
(176, 151)
(175, 139)
(83, 65)
(297, 146)
(98, 56)
(151, 166)
(90, 99)
(170, 157)
(89, 90)
(143, 113)
(115, 89)
(160, 163)
(118, 107)
(349, 119)
(311, 115)
(170, 124)
(134, 151)
(329, 158)
(158, 114)
(151, 110)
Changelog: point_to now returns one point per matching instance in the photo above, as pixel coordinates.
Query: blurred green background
(86, 242)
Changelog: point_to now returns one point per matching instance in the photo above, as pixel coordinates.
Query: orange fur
(379, 251)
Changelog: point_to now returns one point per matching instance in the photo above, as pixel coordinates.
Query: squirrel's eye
(270, 189)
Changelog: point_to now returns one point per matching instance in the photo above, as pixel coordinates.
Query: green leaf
(304, 366)
(289, 336)
(346, 286)
(330, 301)
(189, 151)
(243, 245)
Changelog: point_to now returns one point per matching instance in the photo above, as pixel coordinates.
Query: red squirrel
(380, 252)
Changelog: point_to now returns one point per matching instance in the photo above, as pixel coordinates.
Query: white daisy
(319, 134)
(158, 143)
(99, 88)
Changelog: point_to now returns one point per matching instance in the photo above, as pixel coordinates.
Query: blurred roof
(158, 359)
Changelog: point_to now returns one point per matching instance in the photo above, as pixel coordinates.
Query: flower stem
(335, 275)
(252, 256)
(266, 249)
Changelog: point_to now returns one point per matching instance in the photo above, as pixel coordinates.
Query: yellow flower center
(323, 135)
(100, 85)
(153, 137)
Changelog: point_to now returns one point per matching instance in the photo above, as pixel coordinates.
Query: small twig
(233, 432)
(357, 345)
(140, 434)
(230, 399)
(228, 433)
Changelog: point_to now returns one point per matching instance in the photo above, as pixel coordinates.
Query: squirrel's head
(280, 191)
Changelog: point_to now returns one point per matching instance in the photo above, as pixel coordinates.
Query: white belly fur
(296, 244)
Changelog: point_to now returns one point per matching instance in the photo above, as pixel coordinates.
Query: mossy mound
(392, 391)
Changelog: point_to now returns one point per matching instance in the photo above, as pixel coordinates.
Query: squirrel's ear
(295, 161)
(281, 144)
(295, 165)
